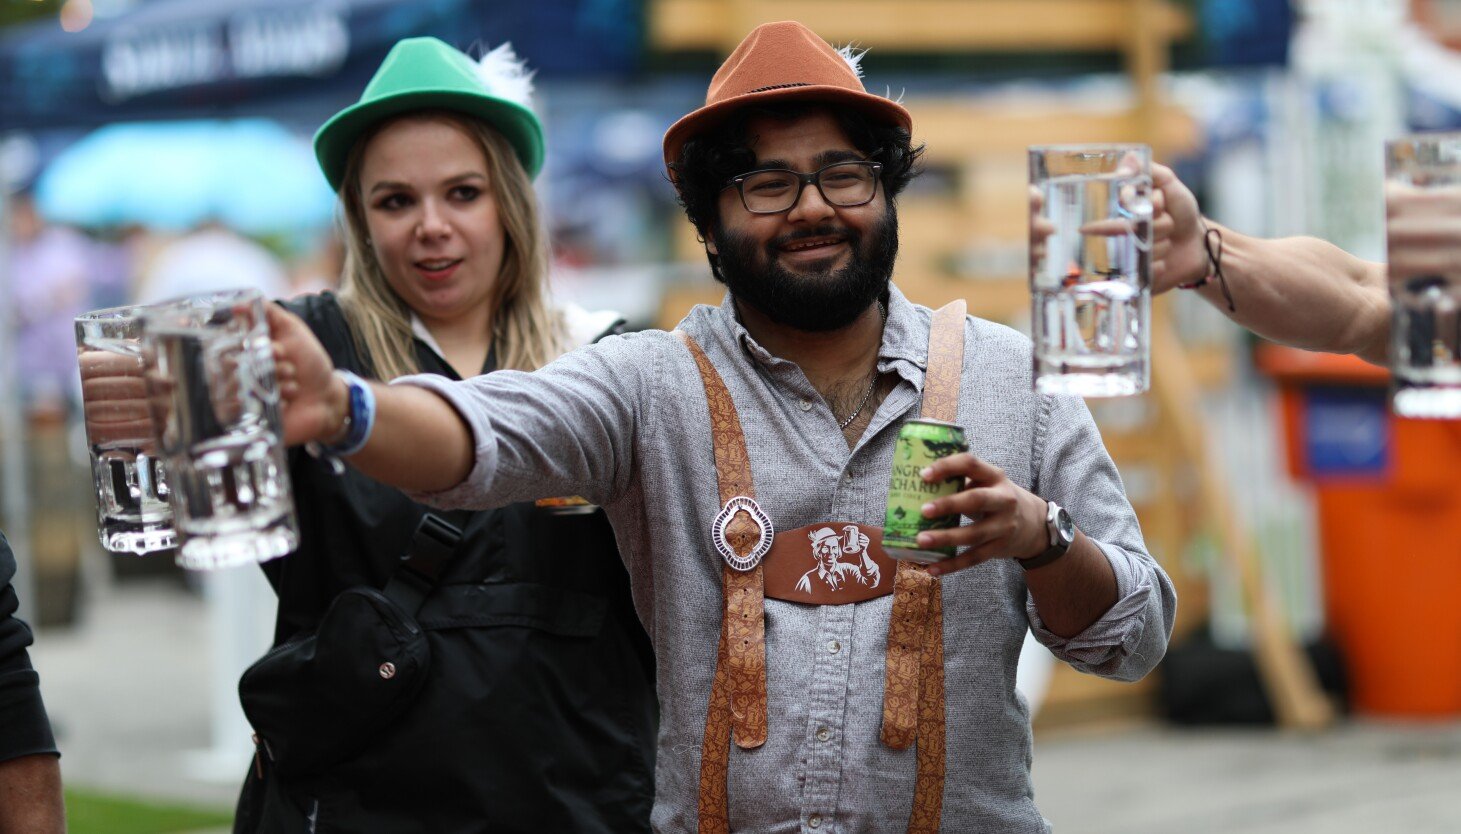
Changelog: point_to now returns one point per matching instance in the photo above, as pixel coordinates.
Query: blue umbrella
(251, 175)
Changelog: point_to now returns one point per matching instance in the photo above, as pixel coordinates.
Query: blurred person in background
(318, 269)
(30, 770)
(211, 258)
(539, 711)
(119, 257)
(815, 360)
(49, 269)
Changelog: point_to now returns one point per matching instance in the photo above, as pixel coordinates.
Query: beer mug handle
(1134, 203)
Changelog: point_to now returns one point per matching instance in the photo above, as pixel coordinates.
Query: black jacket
(558, 706)
(24, 728)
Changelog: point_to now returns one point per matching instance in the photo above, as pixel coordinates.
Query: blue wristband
(359, 417)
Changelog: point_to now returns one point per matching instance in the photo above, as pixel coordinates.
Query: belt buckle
(721, 532)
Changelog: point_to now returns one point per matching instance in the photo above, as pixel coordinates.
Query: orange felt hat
(780, 62)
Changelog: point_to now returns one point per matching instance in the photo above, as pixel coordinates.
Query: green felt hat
(425, 73)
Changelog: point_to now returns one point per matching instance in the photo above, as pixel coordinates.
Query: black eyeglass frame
(804, 180)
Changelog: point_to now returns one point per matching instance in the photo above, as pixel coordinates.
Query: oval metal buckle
(723, 545)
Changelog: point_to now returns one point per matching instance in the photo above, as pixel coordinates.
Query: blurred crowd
(59, 272)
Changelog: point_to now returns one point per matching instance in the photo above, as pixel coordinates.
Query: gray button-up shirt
(625, 424)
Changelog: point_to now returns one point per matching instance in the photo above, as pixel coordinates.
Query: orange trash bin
(1388, 491)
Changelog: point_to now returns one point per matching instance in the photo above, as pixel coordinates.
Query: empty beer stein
(215, 400)
(132, 512)
(1091, 279)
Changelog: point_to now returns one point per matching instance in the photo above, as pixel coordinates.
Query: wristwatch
(1062, 536)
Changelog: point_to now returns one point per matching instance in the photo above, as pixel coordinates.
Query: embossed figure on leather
(841, 560)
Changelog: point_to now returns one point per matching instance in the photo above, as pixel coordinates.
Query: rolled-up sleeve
(566, 429)
(1075, 472)
(24, 728)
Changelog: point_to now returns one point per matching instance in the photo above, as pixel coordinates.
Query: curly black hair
(709, 159)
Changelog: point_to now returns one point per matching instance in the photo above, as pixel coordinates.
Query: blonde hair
(527, 333)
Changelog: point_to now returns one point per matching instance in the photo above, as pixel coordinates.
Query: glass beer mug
(1425, 347)
(131, 486)
(1090, 279)
(215, 400)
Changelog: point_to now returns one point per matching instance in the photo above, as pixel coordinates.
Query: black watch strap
(1062, 536)
(1050, 554)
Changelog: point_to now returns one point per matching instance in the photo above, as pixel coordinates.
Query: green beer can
(920, 443)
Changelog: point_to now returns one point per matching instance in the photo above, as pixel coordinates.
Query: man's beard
(815, 300)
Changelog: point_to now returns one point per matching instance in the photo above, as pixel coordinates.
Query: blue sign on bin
(1346, 432)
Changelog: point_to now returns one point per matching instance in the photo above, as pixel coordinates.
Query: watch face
(1065, 526)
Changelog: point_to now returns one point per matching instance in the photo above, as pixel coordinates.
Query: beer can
(920, 443)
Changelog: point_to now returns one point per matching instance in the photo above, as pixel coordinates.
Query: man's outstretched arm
(419, 442)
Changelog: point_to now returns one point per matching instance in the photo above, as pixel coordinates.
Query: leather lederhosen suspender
(913, 698)
(738, 691)
(913, 692)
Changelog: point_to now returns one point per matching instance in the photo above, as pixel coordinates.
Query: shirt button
(814, 821)
(823, 734)
(847, 477)
(806, 405)
(834, 647)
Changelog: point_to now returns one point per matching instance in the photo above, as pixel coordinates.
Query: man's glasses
(841, 184)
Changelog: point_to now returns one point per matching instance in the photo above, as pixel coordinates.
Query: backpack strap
(913, 692)
(431, 546)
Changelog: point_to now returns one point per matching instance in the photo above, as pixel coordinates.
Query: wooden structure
(970, 241)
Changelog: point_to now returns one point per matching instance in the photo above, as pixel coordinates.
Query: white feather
(853, 56)
(506, 76)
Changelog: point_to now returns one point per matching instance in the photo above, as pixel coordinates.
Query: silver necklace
(868, 394)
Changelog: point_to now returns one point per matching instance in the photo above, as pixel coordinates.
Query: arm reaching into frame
(1300, 291)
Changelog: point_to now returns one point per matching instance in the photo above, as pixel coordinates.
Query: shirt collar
(418, 327)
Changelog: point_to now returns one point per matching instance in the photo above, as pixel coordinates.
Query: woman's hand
(314, 398)
(1008, 520)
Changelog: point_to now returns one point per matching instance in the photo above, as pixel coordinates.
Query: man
(30, 774)
(885, 708)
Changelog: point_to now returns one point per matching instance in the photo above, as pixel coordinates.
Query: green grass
(91, 813)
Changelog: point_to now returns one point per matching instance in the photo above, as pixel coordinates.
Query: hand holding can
(920, 443)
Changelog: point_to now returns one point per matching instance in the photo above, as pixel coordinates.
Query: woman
(538, 710)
